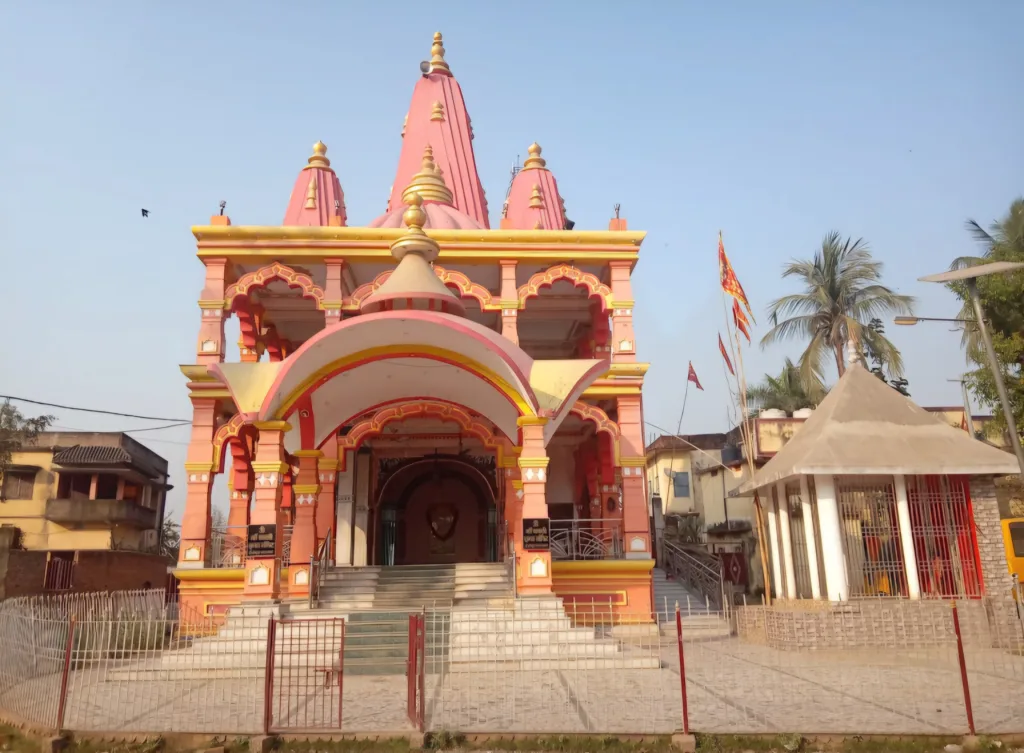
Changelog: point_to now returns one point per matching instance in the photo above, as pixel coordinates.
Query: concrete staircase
(698, 619)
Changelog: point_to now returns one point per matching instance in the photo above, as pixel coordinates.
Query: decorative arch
(265, 275)
(451, 278)
(375, 425)
(605, 425)
(235, 430)
(563, 271)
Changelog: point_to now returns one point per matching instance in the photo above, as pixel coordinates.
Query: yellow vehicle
(1013, 539)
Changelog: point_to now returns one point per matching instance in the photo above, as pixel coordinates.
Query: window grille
(871, 537)
(801, 560)
(945, 541)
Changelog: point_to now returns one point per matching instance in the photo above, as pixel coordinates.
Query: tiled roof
(90, 455)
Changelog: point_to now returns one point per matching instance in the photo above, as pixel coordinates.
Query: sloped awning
(864, 427)
(83, 455)
(381, 358)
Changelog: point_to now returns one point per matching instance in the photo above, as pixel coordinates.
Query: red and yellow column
(263, 570)
(535, 566)
(193, 551)
(304, 536)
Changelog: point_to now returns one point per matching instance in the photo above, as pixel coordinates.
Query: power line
(125, 431)
(95, 410)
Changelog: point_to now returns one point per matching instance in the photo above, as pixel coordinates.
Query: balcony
(75, 512)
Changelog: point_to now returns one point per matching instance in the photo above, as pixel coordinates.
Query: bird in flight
(145, 213)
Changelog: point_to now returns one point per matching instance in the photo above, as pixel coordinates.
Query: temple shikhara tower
(419, 388)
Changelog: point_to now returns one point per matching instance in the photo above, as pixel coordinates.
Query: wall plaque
(537, 534)
(262, 541)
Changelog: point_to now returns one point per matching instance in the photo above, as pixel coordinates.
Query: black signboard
(262, 541)
(537, 534)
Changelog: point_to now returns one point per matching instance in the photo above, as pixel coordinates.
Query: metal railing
(586, 539)
(228, 546)
(318, 565)
(697, 573)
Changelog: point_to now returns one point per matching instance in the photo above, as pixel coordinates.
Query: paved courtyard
(732, 686)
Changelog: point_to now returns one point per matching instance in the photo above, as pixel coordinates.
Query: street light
(970, 275)
(908, 321)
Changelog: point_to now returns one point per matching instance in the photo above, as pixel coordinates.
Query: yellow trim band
(534, 462)
(278, 425)
(308, 453)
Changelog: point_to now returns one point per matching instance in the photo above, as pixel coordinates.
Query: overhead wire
(94, 410)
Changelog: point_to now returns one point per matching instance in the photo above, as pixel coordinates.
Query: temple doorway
(438, 510)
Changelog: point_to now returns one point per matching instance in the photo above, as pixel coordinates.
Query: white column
(906, 537)
(786, 535)
(809, 535)
(773, 542)
(343, 544)
(831, 539)
(362, 504)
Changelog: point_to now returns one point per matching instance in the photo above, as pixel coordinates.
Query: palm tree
(784, 392)
(1003, 241)
(842, 293)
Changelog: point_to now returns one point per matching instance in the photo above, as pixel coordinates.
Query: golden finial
(534, 160)
(311, 192)
(438, 112)
(414, 240)
(536, 198)
(437, 62)
(414, 216)
(537, 225)
(319, 158)
(428, 183)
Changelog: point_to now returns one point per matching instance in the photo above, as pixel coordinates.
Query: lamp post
(970, 275)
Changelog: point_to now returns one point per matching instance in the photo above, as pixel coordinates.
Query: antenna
(618, 208)
(515, 171)
(222, 205)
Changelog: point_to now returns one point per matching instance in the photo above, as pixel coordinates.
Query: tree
(875, 329)
(170, 539)
(16, 431)
(842, 293)
(1002, 297)
(785, 392)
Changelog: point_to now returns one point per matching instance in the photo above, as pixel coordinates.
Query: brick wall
(992, 550)
(118, 571)
(880, 623)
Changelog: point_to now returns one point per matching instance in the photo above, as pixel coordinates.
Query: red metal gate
(305, 675)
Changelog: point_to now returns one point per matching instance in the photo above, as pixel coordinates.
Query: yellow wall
(39, 533)
(707, 495)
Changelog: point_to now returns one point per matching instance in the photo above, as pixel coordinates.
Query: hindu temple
(431, 387)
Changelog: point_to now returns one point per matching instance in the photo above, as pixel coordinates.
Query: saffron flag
(691, 376)
(725, 355)
(730, 284)
(740, 319)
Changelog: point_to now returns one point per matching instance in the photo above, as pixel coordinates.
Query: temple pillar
(906, 536)
(809, 535)
(240, 482)
(210, 345)
(360, 534)
(263, 573)
(786, 538)
(623, 340)
(831, 538)
(345, 508)
(333, 296)
(771, 510)
(633, 461)
(193, 551)
(513, 512)
(535, 566)
(601, 347)
(306, 490)
(325, 508)
(509, 301)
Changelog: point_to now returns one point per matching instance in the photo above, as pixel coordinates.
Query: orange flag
(725, 355)
(740, 319)
(730, 284)
(691, 376)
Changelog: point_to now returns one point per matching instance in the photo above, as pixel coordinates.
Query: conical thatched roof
(863, 427)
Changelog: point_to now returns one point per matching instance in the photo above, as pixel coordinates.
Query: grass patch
(12, 741)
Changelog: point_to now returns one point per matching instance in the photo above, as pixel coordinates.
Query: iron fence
(586, 539)
(129, 663)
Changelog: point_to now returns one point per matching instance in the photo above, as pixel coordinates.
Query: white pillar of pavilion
(786, 537)
(906, 536)
(831, 538)
(811, 538)
(345, 495)
(773, 541)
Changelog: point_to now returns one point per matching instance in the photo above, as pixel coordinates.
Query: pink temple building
(419, 388)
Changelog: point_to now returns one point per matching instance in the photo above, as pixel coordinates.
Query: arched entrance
(435, 510)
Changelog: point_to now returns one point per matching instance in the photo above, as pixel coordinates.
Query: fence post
(963, 669)
(682, 671)
(68, 648)
(268, 678)
(410, 671)
(341, 672)
(421, 653)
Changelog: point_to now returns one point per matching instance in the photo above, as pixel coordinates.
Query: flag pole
(679, 428)
(747, 434)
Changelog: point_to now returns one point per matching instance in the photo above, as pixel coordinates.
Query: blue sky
(774, 122)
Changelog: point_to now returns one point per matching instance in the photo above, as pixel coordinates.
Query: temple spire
(533, 199)
(317, 197)
(437, 117)
(428, 183)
